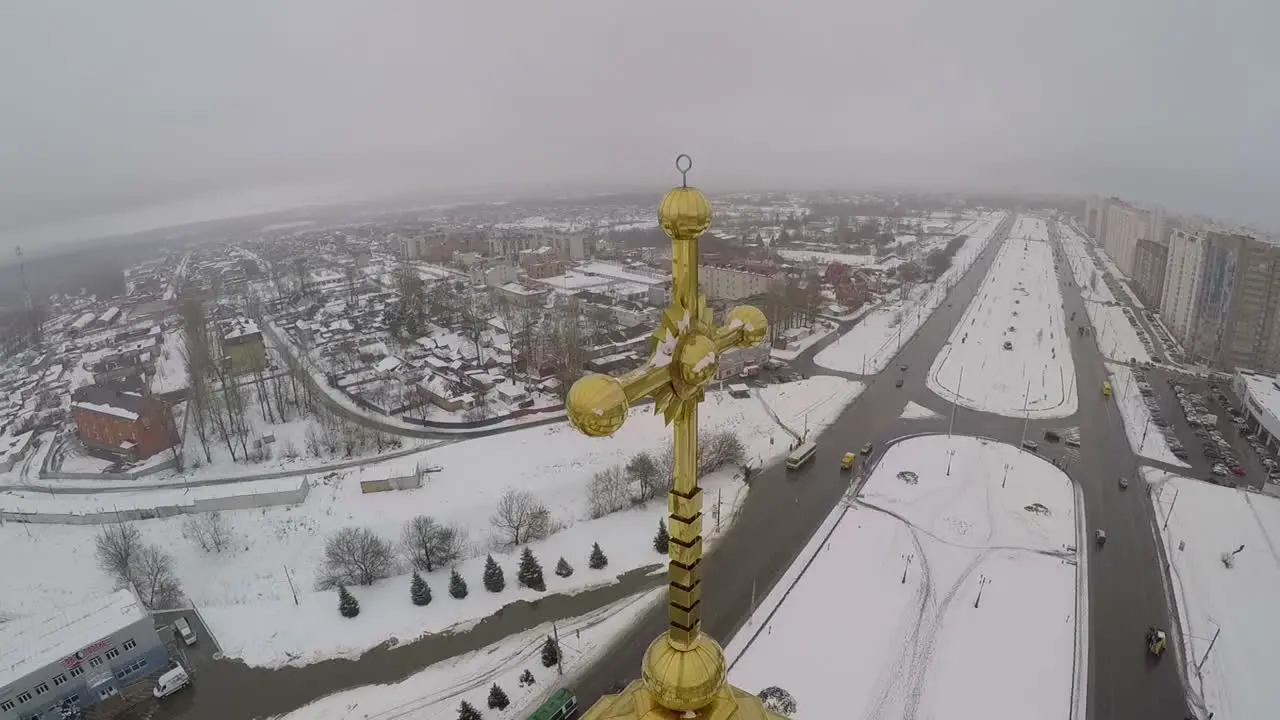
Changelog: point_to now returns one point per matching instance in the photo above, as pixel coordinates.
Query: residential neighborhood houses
(292, 383)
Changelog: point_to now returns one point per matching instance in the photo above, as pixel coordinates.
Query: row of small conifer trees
(529, 575)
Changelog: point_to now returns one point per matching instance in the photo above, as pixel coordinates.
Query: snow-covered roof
(106, 410)
(387, 364)
(30, 643)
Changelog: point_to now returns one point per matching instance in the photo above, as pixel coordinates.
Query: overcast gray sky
(149, 111)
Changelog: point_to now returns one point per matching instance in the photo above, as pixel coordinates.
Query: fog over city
(150, 113)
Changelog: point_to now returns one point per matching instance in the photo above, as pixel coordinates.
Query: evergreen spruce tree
(526, 678)
(597, 559)
(494, 579)
(468, 712)
(662, 538)
(419, 590)
(550, 652)
(530, 573)
(563, 568)
(347, 603)
(457, 586)
(497, 698)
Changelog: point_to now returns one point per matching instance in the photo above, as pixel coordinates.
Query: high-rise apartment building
(1125, 225)
(1095, 212)
(1150, 261)
(1183, 264)
(1237, 304)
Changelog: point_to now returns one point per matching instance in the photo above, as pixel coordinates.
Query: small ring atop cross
(687, 162)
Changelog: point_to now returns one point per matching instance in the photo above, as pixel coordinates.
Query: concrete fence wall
(408, 482)
(245, 501)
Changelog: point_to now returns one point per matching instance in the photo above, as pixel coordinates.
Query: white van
(171, 682)
(184, 629)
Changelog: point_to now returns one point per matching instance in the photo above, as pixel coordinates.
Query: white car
(1219, 469)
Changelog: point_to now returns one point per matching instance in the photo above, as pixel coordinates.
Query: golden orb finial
(684, 212)
(753, 323)
(684, 678)
(596, 405)
(698, 361)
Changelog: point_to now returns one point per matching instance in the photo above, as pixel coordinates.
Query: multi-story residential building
(1184, 261)
(440, 245)
(1237, 304)
(1095, 213)
(509, 242)
(1150, 261)
(243, 350)
(122, 424)
(1125, 226)
(541, 263)
(728, 283)
(77, 655)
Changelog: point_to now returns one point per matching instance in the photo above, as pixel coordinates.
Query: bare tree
(520, 518)
(648, 479)
(354, 556)
(117, 547)
(428, 545)
(609, 492)
(153, 578)
(211, 531)
(195, 357)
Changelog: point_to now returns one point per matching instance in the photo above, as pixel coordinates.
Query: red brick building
(122, 424)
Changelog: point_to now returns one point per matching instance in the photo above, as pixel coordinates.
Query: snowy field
(1144, 436)
(869, 346)
(1237, 681)
(438, 691)
(1087, 275)
(990, 580)
(1010, 352)
(1116, 337)
(244, 592)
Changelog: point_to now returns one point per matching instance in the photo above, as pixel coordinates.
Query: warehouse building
(81, 654)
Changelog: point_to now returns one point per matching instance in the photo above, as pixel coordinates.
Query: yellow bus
(1106, 388)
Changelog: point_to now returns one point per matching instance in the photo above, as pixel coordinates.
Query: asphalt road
(784, 510)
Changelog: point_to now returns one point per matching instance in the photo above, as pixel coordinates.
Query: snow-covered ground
(1237, 680)
(916, 411)
(1086, 272)
(869, 346)
(1116, 337)
(437, 691)
(930, 646)
(1144, 435)
(1010, 353)
(245, 594)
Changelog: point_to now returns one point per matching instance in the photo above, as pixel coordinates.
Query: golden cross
(685, 358)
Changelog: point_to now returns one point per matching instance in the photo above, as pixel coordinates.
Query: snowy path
(1010, 354)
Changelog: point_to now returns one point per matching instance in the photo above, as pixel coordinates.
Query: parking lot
(1219, 451)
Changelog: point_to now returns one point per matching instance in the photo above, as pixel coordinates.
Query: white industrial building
(1260, 396)
(81, 653)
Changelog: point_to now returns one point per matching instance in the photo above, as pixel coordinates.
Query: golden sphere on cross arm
(596, 405)
(697, 361)
(754, 325)
(684, 679)
(684, 213)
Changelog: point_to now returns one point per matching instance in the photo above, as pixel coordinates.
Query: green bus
(562, 705)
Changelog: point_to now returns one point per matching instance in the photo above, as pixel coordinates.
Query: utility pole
(1025, 417)
(955, 398)
(292, 589)
(719, 494)
(1005, 481)
(982, 582)
(1209, 649)
(555, 636)
(906, 565)
(1170, 513)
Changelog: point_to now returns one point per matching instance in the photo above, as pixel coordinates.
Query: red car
(1238, 471)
